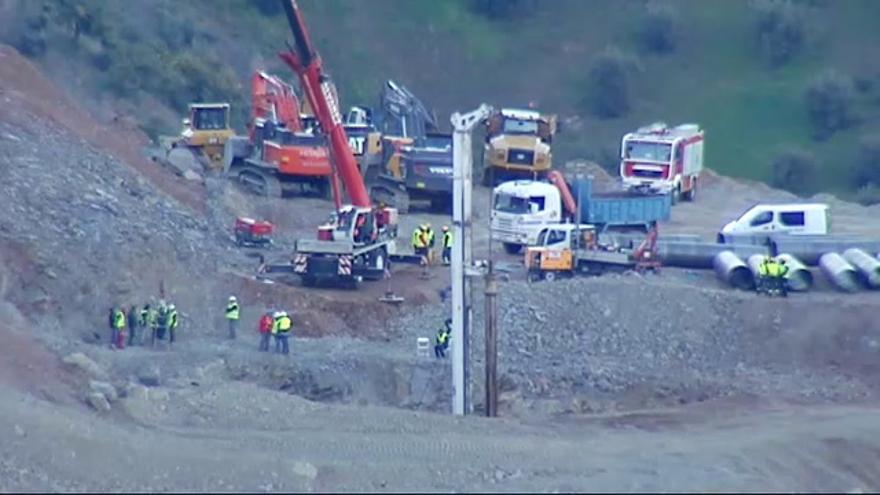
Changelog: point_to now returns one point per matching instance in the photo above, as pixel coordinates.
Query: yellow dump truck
(517, 145)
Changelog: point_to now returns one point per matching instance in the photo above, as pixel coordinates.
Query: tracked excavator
(414, 161)
(279, 152)
(358, 241)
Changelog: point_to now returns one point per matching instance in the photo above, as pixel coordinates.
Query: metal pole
(461, 251)
(458, 145)
(491, 343)
(580, 187)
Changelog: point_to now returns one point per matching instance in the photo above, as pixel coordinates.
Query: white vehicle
(765, 219)
(659, 159)
(521, 210)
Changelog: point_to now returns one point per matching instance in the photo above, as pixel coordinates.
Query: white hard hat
(276, 314)
(171, 306)
(232, 298)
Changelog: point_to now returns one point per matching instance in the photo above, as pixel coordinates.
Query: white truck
(522, 209)
(656, 158)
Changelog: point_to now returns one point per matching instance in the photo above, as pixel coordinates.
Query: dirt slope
(22, 85)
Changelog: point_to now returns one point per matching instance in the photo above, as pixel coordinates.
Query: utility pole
(462, 261)
(491, 342)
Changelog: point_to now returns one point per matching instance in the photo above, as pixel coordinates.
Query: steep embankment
(31, 99)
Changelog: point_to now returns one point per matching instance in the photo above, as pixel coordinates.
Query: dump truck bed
(620, 208)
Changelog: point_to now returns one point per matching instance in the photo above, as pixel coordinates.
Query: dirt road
(288, 444)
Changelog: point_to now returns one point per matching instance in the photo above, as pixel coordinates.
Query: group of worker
(771, 275)
(275, 324)
(423, 244)
(130, 326)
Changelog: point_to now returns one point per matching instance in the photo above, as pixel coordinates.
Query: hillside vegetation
(788, 91)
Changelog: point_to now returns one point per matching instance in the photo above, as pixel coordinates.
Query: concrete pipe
(799, 278)
(701, 254)
(867, 266)
(732, 271)
(839, 272)
(808, 251)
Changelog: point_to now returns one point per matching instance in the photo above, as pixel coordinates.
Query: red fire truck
(657, 158)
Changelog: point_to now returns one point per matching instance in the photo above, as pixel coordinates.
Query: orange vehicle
(279, 152)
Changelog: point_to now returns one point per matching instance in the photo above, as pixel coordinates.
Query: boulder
(98, 401)
(83, 362)
(108, 390)
(149, 375)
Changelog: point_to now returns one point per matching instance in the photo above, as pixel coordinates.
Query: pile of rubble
(628, 341)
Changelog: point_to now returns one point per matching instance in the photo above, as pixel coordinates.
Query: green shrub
(660, 28)
(268, 8)
(781, 29)
(608, 91)
(867, 168)
(795, 170)
(829, 99)
(503, 9)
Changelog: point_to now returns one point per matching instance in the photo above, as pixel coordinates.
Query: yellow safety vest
(429, 237)
(119, 320)
(447, 239)
(284, 324)
(232, 311)
(173, 320)
(417, 240)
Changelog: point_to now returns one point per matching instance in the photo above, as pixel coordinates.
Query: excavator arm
(275, 100)
(321, 95)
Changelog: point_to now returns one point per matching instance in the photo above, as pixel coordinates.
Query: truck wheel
(510, 248)
(549, 276)
(377, 263)
(692, 194)
(675, 195)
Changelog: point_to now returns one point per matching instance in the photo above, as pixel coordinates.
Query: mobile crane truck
(357, 242)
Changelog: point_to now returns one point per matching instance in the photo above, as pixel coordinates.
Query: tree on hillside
(867, 169)
(794, 170)
(608, 92)
(781, 30)
(268, 8)
(503, 9)
(829, 100)
(660, 28)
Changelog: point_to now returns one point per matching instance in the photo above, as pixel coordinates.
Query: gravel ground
(628, 342)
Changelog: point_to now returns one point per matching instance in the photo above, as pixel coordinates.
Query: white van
(765, 219)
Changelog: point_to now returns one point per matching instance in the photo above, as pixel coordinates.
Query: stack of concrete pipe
(810, 249)
(732, 271)
(867, 266)
(839, 272)
(688, 254)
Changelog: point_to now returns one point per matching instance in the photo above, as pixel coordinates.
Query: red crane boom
(321, 92)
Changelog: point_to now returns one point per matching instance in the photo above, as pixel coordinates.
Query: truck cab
(521, 210)
(517, 145)
(659, 159)
(765, 219)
